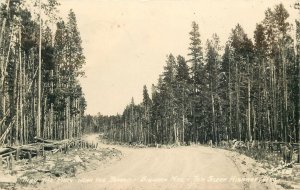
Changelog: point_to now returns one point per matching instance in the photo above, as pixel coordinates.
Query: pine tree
(198, 82)
(22, 107)
(146, 116)
(182, 95)
(212, 74)
(250, 93)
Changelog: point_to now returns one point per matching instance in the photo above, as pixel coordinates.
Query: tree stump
(37, 152)
(43, 151)
(287, 153)
(11, 163)
(210, 143)
(7, 162)
(17, 154)
(65, 149)
(29, 157)
(44, 158)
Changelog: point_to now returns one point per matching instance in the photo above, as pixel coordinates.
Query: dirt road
(161, 168)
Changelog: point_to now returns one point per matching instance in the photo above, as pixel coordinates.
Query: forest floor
(58, 167)
(117, 167)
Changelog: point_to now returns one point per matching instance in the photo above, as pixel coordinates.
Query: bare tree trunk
(51, 123)
(213, 118)
(4, 22)
(183, 126)
(25, 131)
(237, 89)
(67, 118)
(230, 101)
(17, 94)
(2, 76)
(254, 123)
(21, 88)
(285, 87)
(274, 104)
(4, 73)
(249, 105)
(40, 74)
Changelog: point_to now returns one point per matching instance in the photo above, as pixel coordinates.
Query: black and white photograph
(149, 94)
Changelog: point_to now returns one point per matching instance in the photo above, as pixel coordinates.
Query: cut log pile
(40, 147)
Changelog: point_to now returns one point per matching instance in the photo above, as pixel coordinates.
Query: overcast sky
(126, 41)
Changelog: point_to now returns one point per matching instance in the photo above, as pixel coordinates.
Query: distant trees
(250, 92)
(61, 102)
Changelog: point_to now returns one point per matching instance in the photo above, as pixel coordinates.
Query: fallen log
(66, 141)
(8, 153)
(49, 147)
(55, 151)
(38, 139)
(30, 149)
(40, 146)
(43, 170)
(53, 143)
(5, 150)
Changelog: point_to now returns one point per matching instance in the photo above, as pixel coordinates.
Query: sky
(126, 41)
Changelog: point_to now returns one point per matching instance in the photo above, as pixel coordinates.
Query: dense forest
(247, 90)
(41, 60)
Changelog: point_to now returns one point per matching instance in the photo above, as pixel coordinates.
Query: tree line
(41, 60)
(247, 90)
